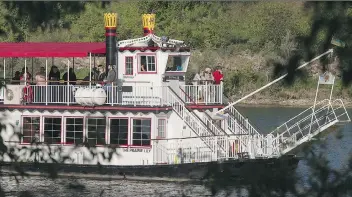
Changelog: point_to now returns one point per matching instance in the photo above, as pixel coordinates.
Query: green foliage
(247, 37)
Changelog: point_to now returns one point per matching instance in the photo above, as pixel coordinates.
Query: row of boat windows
(77, 130)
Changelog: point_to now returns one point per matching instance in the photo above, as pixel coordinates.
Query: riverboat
(145, 122)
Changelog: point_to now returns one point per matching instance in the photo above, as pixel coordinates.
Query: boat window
(162, 128)
(147, 63)
(52, 130)
(30, 129)
(96, 131)
(128, 65)
(176, 63)
(141, 132)
(119, 131)
(74, 131)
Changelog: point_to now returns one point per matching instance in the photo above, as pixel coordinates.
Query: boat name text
(141, 150)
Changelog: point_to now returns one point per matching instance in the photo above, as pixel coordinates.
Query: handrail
(305, 118)
(197, 117)
(249, 122)
(343, 105)
(188, 96)
(217, 126)
(210, 118)
(307, 126)
(298, 115)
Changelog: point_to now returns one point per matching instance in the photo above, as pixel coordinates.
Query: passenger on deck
(54, 89)
(40, 79)
(108, 83)
(54, 76)
(112, 76)
(87, 79)
(102, 74)
(16, 79)
(71, 77)
(208, 76)
(198, 82)
(217, 75)
(25, 77)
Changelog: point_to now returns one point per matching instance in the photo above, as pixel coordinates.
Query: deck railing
(129, 95)
(203, 94)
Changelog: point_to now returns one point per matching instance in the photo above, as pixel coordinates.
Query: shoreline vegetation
(247, 38)
(296, 103)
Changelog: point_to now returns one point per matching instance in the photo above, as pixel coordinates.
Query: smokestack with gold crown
(111, 39)
(148, 23)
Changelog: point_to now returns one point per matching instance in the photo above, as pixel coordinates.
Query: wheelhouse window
(128, 65)
(177, 63)
(96, 130)
(30, 129)
(52, 130)
(74, 131)
(147, 63)
(141, 132)
(119, 131)
(162, 128)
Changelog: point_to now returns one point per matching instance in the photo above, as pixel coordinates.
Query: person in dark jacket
(16, 78)
(54, 76)
(54, 82)
(72, 77)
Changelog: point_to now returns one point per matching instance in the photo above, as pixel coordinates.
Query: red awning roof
(51, 49)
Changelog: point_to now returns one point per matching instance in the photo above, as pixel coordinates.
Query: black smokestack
(111, 39)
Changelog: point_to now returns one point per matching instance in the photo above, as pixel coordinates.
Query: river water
(337, 152)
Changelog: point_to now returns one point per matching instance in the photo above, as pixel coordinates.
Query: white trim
(146, 39)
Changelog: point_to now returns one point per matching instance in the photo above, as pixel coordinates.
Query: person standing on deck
(25, 76)
(16, 78)
(54, 88)
(218, 77)
(198, 81)
(27, 90)
(101, 74)
(109, 82)
(209, 80)
(72, 77)
(40, 79)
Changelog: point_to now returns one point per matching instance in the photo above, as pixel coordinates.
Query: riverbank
(296, 103)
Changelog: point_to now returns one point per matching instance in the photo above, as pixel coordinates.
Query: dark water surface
(266, 119)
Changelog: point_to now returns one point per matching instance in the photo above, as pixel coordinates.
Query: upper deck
(140, 72)
(129, 95)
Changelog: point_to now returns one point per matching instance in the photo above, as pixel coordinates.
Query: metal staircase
(305, 125)
(208, 132)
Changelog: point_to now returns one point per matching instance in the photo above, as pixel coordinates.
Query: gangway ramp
(303, 127)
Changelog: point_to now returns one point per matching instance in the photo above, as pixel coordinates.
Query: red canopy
(51, 49)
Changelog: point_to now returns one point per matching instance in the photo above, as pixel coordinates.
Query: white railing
(203, 94)
(306, 125)
(130, 95)
(176, 151)
(139, 95)
(190, 150)
(237, 119)
(198, 126)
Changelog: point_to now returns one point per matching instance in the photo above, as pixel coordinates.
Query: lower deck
(138, 136)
